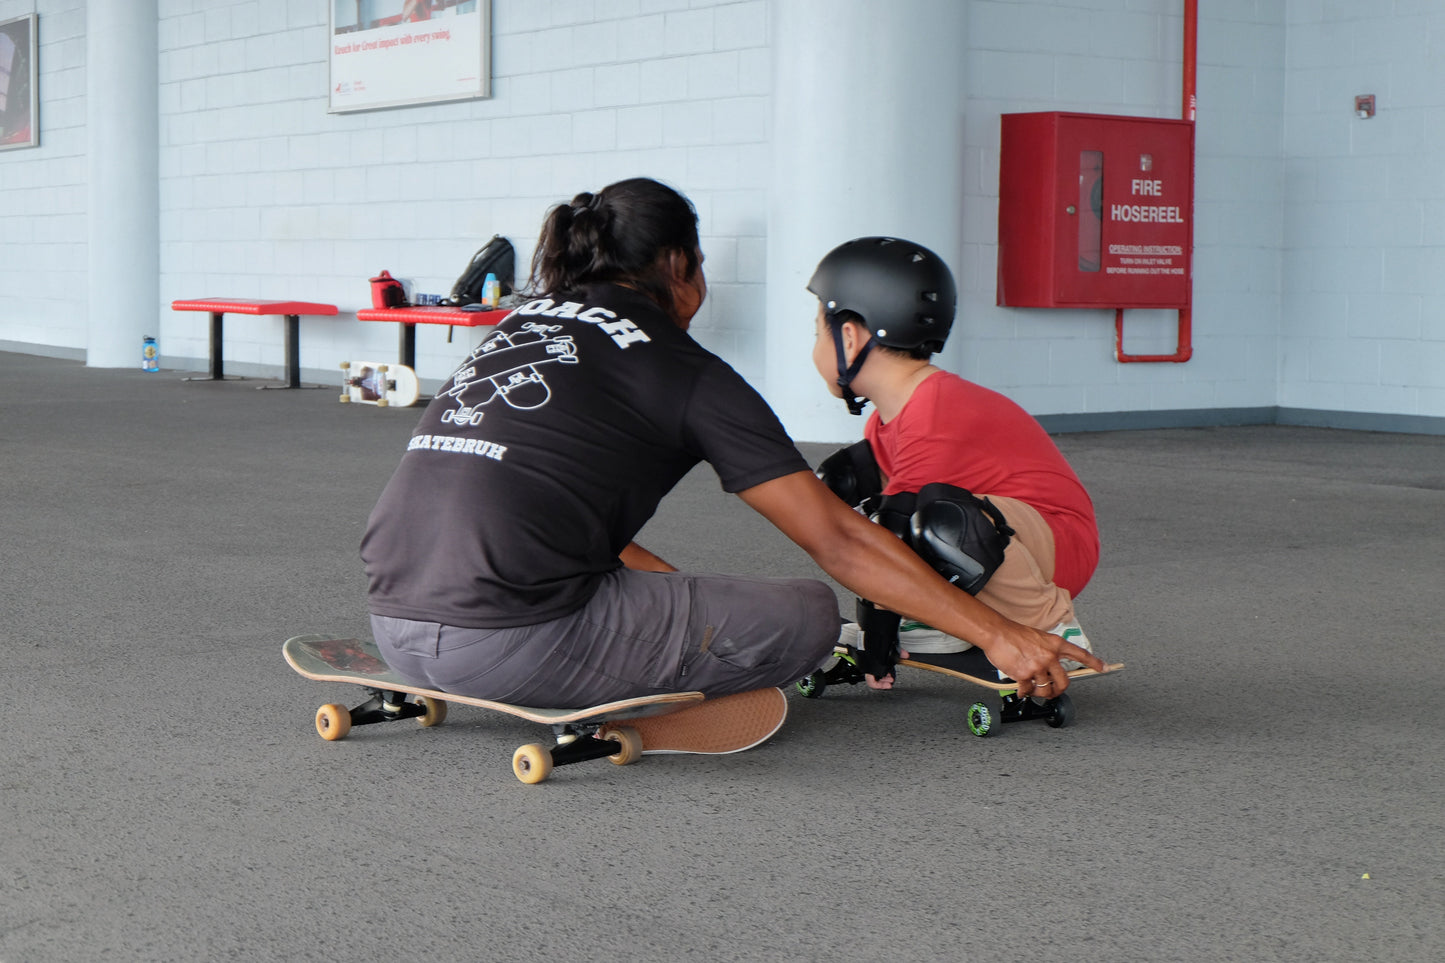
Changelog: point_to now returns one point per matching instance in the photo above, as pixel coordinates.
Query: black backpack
(498, 258)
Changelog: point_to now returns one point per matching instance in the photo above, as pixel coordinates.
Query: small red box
(1095, 211)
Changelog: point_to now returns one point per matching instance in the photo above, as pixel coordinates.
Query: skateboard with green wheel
(971, 666)
(622, 731)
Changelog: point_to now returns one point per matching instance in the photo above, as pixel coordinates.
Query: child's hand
(887, 681)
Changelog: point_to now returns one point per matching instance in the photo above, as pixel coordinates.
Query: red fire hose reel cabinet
(1095, 211)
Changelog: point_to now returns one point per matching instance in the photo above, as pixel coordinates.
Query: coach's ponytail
(622, 234)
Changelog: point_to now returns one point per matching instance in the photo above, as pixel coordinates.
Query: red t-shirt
(955, 431)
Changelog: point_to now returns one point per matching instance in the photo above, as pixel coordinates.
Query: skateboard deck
(379, 383)
(671, 722)
(973, 666)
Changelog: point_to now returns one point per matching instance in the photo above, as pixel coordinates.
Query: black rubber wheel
(1061, 711)
(981, 720)
(813, 686)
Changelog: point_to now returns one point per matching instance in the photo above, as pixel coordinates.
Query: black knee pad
(961, 535)
(852, 474)
(895, 513)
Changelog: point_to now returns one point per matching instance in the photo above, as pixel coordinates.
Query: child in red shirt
(886, 306)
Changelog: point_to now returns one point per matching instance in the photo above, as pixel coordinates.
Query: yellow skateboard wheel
(436, 712)
(532, 763)
(333, 721)
(629, 739)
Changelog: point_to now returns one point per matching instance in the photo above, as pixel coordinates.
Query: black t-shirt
(547, 451)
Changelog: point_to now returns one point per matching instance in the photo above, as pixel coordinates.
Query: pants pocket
(736, 652)
(420, 639)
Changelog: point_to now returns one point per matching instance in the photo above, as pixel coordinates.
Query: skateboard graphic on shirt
(506, 366)
(622, 731)
(971, 666)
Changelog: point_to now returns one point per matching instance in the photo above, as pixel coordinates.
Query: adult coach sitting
(500, 555)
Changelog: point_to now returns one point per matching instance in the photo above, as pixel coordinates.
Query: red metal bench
(291, 310)
(409, 317)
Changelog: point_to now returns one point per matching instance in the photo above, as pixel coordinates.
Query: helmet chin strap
(847, 372)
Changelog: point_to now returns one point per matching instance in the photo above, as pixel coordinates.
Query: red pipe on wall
(1191, 56)
(1189, 103)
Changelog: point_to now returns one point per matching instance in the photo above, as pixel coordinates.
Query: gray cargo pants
(642, 633)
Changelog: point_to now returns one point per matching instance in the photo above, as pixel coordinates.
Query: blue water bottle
(150, 355)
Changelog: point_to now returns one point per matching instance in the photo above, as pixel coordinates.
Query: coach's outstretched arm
(873, 563)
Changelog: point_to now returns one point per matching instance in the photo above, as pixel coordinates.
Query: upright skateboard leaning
(680, 722)
(378, 383)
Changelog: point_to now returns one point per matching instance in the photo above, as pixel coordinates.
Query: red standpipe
(1189, 103)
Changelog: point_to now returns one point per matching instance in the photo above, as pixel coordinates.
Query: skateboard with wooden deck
(379, 383)
(970, 666)
(623, 731)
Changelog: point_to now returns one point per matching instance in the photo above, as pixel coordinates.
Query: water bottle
(150, 355)
(491, 291)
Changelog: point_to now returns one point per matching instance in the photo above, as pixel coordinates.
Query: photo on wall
(397, 53)
(19, 106)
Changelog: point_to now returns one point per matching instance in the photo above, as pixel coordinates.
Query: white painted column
(123, 166)
(868, 99)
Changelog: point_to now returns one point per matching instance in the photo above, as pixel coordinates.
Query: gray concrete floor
(1276, 738)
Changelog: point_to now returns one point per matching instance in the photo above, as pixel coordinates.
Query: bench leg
(218, 372)
(293, 351)
(293, 356)
(406, 344)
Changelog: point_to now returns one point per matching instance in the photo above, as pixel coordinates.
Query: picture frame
(401, 53)
(19, 82)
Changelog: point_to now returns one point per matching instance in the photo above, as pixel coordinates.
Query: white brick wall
(266, 194)
(1124, 57)
(1320, 239)
(43, 288)
(1363, 327)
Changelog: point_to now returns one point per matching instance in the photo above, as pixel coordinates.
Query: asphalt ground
(1263, 782)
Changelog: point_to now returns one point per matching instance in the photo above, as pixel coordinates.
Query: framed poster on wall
(395, 53)
(19, 105)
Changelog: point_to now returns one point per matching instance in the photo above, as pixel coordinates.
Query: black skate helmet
(902, 291)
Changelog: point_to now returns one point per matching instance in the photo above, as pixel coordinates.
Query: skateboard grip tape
(729, 723)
